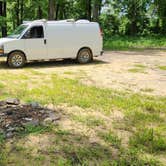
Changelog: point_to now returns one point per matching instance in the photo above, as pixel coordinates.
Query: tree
(96, 9)
(3, 12)
(135, 11)
(127, 17)
(17, 9)
(21, 10)
(51, 9)
(1, 8)
(161, 12)
(88, 9)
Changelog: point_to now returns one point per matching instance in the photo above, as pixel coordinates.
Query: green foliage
(131, 157)
(122, 17)
(89, 120)
(149, 140)
(160, 5)
(132, 43)
(2, 138)
(32, 129)
(111, 138)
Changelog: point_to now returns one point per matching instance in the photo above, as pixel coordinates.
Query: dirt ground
(137, 71)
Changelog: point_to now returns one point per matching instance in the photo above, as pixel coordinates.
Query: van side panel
(14, 45)
(89, 36)
(65, 40)
(60, 41)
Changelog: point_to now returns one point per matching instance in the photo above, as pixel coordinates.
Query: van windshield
(18, 31)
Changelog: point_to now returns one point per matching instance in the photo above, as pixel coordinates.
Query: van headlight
(1, 49)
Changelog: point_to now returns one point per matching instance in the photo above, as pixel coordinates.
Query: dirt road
(138, 71)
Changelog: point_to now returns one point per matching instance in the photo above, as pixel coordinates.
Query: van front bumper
(3, 55)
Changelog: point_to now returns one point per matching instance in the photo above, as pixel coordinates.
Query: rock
(9, 112)
(9, 134)
(47, 121)
(51, 119)
(2, 103)
(10, 129)
(15, 116)
(34, 105)
(50, 106)
(1, 131)
(34, 122)
(2, 114)
(13, 101)
(42, 111)
(28, 119)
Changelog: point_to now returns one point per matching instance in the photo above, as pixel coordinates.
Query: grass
(134, 43)
(63, 90)
(149, 140)
(86, 137)
(2, 138)
(89, 120)
(162, 67)
(147, 90)
(31, 129)
(138, 68)
(111, 138)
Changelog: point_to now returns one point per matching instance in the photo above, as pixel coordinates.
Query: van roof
(58, 22)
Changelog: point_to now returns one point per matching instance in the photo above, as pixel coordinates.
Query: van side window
(35, 32)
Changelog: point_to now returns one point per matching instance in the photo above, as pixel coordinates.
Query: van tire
(84, 56)
(16, 59)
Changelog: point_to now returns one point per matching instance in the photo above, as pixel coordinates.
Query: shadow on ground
(51, 64)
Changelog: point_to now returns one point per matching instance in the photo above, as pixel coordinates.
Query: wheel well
(18, 51)
(85, 48)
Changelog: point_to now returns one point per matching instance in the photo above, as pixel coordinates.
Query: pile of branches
(15, 116)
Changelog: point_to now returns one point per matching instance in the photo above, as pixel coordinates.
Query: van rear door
(35, 43)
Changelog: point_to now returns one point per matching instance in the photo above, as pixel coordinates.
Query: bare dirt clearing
(137, 71)
(96, 125)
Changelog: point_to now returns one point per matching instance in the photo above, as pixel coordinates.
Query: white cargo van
(49, 40)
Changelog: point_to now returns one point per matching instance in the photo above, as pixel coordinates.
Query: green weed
(149, 140)
(162, 67)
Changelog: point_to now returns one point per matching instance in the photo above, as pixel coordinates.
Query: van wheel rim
(17, 60)
(84, 57)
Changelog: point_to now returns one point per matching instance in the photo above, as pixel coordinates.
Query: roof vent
(82, 21)
(70, 20)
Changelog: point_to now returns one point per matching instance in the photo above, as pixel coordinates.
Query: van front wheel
(84, 56)
(16, 59)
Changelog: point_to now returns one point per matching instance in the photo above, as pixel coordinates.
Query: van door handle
(45, 41)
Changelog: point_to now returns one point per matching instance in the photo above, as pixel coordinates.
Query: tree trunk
(17, 13)
(4, 26)
(133, 14)
(88, 10)
(96, 10)
(57, 11)
(163, 29)
(133, 28)
(40, 13)
(61, 13)
(22, 11)
(1, 8)
(51, 9)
